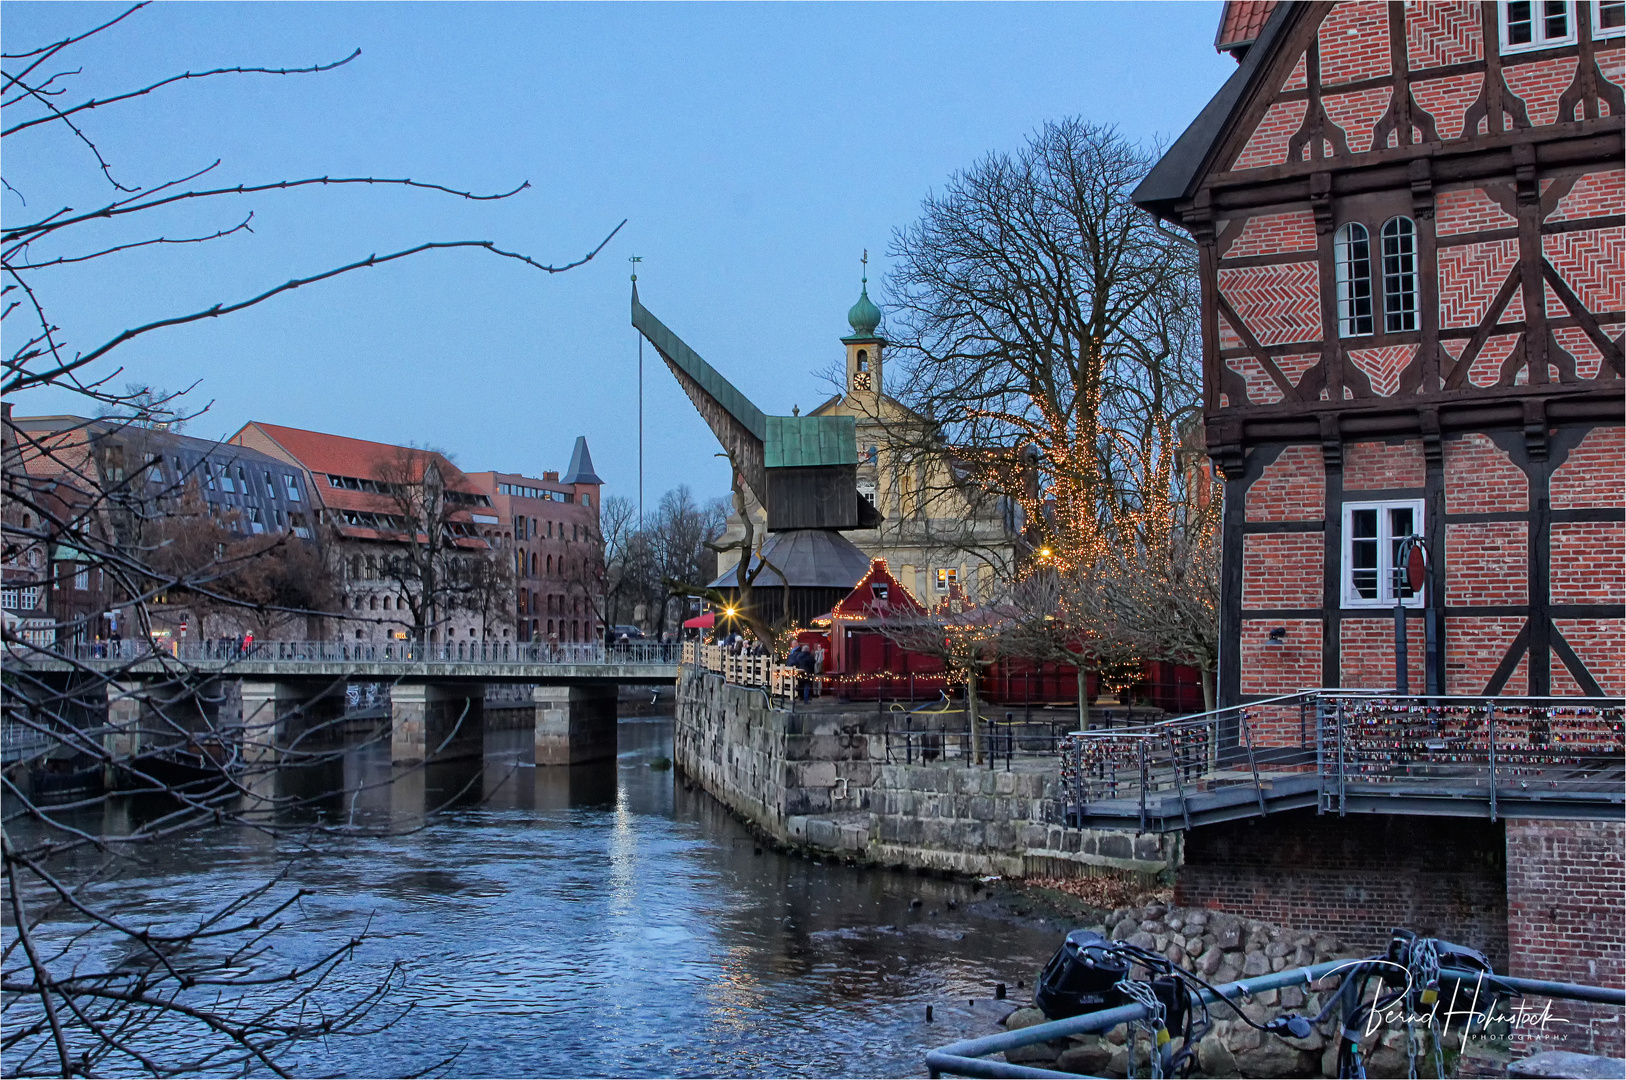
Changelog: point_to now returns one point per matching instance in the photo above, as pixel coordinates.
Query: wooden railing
(759, 672)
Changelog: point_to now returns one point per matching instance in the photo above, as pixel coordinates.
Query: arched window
(863, 360)
(533, 564)
(372, 602)
(550, 565)
(550, 626)
(1399, 275)
(386, 603)
(1352, 259)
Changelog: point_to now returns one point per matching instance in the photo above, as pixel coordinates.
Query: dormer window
(1527, 25)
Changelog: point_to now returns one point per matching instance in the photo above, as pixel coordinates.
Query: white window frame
(1386, 551)
(293, 486)
(947, 578)
(1599, 31)
(1538, 39)
(1346, 279)
(1403, 279)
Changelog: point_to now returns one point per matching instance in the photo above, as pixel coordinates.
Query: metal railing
(1342, 744)
(926, 736)
(226, 651)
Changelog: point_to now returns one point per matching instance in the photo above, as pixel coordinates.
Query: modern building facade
(111, 478)
(1410, 225)
(550, 529)
(415, 540)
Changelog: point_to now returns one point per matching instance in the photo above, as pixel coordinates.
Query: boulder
(1274, 1058)
(1227, 973)
(1303, 956)
(1554, 1063)
(1196, 919)
(1162, 942)
(1193, 945)
(1277, 948)
(1258, 937)
(1143, 940)
(1210, 960)
(1154, 911)
(1091, 1059)
(1036, 1053)
(1027, 1017)
(1227, 931)
(1173, 921)
(1151, 926)
(1292, 997)
(1123, 928)
(1215, 1058)
(1118, 1035)
(1254, 965)
(1176, 955)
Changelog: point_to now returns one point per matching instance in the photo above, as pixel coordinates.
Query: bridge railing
(1341, 743)
(226, 651)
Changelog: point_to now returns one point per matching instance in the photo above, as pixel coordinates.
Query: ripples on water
(601, 920)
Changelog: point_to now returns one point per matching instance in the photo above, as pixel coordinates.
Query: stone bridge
(437, 695)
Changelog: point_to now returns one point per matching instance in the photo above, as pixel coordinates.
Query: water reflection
(604, 920)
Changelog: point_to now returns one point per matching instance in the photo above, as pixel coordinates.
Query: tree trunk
(972, 713)
(1206, 677)
(1083, 696)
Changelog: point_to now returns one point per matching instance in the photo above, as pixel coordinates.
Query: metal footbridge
(1353, 752)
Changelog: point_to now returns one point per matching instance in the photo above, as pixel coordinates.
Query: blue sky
(755, 149)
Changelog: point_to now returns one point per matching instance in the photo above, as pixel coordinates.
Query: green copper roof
(737, 404)
(787, 441)
(811, 440)
(864, 316)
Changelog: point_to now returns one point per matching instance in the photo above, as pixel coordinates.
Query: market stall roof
(701, 622)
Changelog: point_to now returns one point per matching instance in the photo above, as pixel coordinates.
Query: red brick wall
(1592, 263)
(1594, 474)
(1447, 100)
(1469, 210)
(1373, 466)
(1487, 563)
(1480, 478)
(1588, 563)
(1593, 195)
(1539, 85)
(1441, 32)
(1354, 41)
(1268, 143)
(1295, 664)
(1272, 234)
(1356, 113)
(1366, 653)
(1473, 649)
(1565, 880)
(1282, 570)
(1470, 275)
(1601, 646)
(1291, 488)
(1356, 877)
(1279, 303)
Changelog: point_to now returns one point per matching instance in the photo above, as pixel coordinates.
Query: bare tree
(1041, 319)
(88, 982)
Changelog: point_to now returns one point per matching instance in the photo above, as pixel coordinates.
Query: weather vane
(865, 261)
(636, 259)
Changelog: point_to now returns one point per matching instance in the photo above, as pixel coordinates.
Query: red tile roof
(340, 455)
(1241, 22)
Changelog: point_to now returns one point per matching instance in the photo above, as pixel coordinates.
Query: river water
(606, 920)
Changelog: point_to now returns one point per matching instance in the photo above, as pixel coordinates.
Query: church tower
(864, 347)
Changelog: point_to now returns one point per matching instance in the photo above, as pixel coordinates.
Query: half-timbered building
(1410, 224)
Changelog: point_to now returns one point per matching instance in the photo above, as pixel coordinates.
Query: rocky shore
(1221, 948)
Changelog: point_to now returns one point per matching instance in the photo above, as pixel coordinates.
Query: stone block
(981, 808)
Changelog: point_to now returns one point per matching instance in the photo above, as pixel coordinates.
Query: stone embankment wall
(819, 777)
(1222, 948)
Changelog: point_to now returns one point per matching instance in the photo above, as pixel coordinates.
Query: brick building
(1409, 218)
(386, 506)
(551, 527)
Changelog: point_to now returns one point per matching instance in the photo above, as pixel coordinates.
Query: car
(630, 633)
